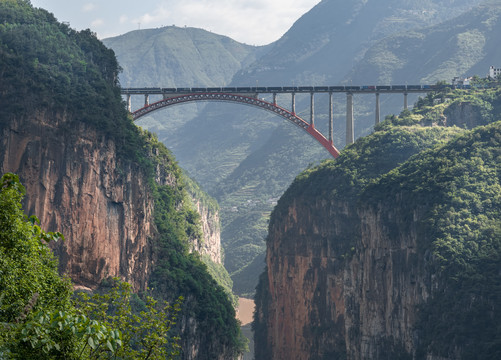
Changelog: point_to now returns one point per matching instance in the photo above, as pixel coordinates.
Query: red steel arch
(246, 100)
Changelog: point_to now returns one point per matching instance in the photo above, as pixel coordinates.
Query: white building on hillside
(458, 81)
(493, 72)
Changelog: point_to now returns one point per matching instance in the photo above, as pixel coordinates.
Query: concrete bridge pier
(146, 99)
(378, 111)
(312, 109)
(275, 99)
(293, 106)
(331, 116)
(129, 103)
(350, 138)
(405, 101)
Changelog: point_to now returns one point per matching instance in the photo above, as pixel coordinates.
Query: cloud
(88, 7)
(123, 19)
(256, 22)
(97, 23)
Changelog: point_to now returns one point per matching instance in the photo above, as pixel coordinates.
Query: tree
(40, 319)
(29, 281)
(146, 332)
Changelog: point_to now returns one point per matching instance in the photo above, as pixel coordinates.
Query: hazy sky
(254, 22)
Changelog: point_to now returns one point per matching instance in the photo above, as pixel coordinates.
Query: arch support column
(146, 99)
(331, 117)
(350, 138)
(293, 105)
(378, 109)
(129, 103)
(405, 101)
(312, 109)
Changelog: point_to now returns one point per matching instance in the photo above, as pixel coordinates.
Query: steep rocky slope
(366, 262)
(325, 43)
(75, 183)
(113, 190)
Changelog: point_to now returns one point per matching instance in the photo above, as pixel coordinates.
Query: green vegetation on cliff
(46, 67)
(182, 273)
(29, 281)
(459, 186)
(447, 179)
(39, 318)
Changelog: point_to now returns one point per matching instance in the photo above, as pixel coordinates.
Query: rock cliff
(103, 205)
(210, 244)
(112, 189)
(367, 273)
(76, 184)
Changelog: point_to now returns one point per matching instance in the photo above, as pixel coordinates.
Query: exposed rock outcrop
(76, 184)
(388, 271)
(464, 115)
(113, 190)
(329, 301)
(211, 242)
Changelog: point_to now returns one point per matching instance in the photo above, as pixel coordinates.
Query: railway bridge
(252, 96)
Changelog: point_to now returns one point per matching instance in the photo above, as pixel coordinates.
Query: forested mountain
(325, 43)
(116, 194)
(393, 250)
(464, 46)
(178, 57)
(247, 158)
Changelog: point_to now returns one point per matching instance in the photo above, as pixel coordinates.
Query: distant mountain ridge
(179, 57)
(174, 56)
(464, 46)
(325, 43)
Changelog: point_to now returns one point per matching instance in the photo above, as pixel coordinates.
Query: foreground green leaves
(144, 333)
(39, 318)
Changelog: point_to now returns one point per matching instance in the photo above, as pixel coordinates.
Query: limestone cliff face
(305, 282)
(464, 115)
(211, 242)
(76, 185)
(366, 262)
(327, 301)
(385, 282)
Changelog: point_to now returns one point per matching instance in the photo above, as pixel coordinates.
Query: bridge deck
(287, 89)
